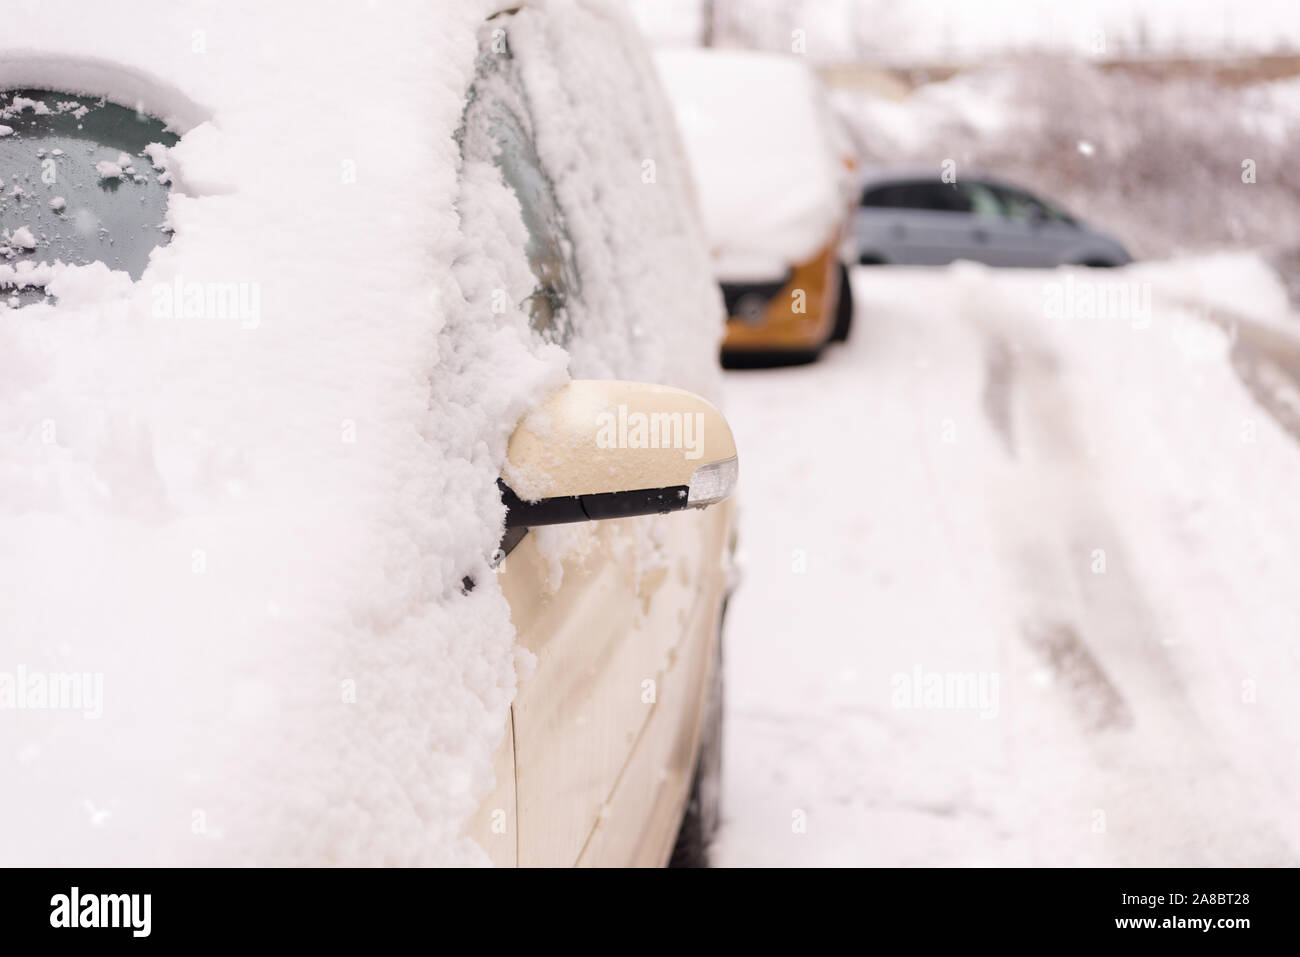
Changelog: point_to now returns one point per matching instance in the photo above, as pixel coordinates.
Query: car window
(498, 126)
(1021, 207)
(1050, 212)
(1017, 206)
(1057, 214)
(79, 184)
(934, 196)
(983, 201)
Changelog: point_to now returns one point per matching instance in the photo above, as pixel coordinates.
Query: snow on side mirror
(600, 449)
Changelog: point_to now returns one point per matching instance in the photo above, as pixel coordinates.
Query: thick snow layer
(760, 141)
(1022, 588)
(648, 311)
(251, 528)
(255, 527)
(241, 495)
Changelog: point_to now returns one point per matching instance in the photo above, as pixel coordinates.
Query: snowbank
(1237, 284)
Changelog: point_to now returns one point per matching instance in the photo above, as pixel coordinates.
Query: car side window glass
(947, 198)
(918, 196)
(1052, 213)
(877, 197)
(983, 201)
(1020, 207)
(81, 184)
(498, 126)
(932, 196)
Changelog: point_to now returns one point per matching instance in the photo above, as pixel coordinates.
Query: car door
(921, 222)
(619, 618)
(1057, 233)
(1029, 234)
(984, 233)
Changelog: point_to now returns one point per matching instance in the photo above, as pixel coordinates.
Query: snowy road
(1021, 581)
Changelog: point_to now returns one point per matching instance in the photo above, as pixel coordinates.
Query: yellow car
(773, 172)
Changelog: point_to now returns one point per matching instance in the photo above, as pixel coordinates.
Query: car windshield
(78, 184)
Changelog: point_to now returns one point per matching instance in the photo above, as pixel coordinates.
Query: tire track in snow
(967, 554)
(1268, 363)
(1151, 759)
(1094, 696)
(999, 380)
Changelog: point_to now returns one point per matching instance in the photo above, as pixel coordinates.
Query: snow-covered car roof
(759, 137)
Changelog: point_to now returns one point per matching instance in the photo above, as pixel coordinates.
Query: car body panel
(1010, 243)
(655, 785)
(779, 327)
(602, 759)
(921, 237)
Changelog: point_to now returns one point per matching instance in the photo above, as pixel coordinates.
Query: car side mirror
(599, 449)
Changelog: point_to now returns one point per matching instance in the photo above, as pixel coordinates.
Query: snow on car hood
(242, 543)
(757, 135)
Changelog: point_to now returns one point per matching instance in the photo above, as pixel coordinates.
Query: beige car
(611, 757)
(612, 753)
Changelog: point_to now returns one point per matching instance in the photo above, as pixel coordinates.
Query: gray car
(916, 219)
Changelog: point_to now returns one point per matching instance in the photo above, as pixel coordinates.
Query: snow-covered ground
(1020, 579)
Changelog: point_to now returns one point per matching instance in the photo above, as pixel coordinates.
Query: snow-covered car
(915, 218)
(772, 168)
(354, 453)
